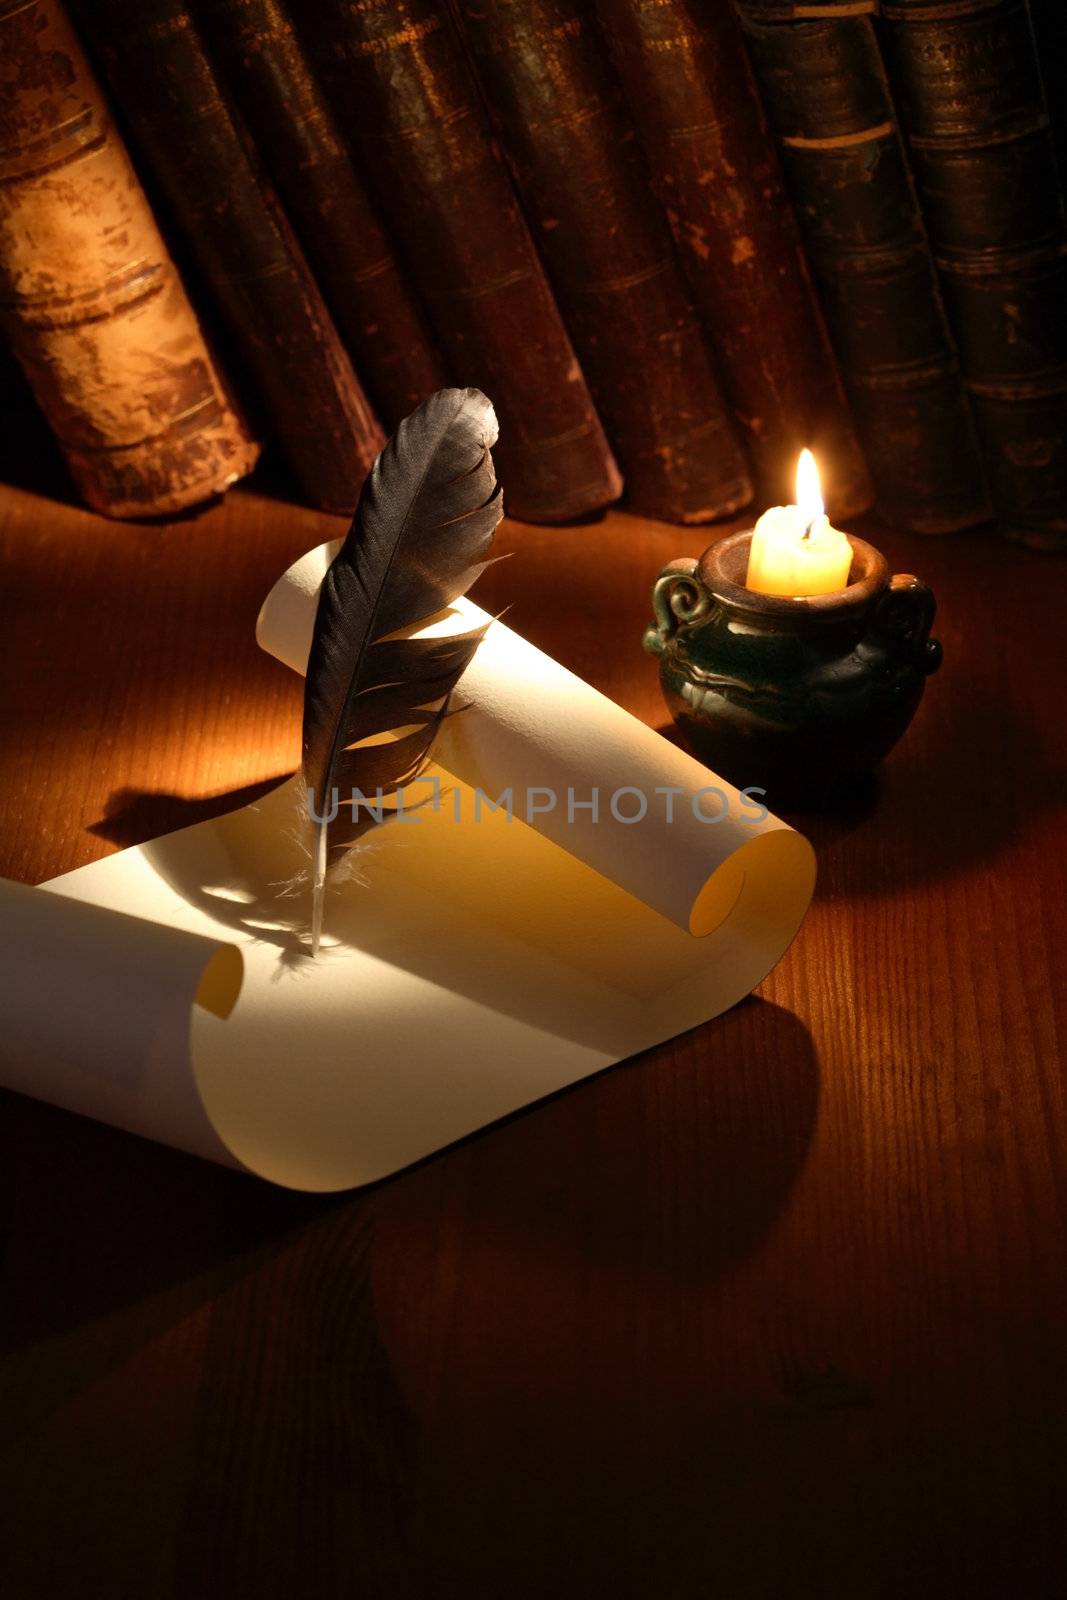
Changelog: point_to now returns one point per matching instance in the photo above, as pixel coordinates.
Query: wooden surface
(775, 1310)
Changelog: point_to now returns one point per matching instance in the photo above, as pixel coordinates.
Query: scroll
(571, 889)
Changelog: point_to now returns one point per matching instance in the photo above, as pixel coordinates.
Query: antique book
(408, 102)
(714, 167)
(1050, 39)
(89, 297)
(233, 226)
(582, 178)
(799, 10)
(326, 201)
(972, 106)
(826, 93)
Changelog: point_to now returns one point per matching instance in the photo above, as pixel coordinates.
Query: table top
(777, 1308)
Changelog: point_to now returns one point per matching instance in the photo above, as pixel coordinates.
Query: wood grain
(775, 1310)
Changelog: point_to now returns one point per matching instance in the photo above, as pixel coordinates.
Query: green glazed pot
(790, 696)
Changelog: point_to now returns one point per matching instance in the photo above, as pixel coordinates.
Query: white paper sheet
(483, 962)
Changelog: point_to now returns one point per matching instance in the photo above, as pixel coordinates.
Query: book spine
(326, 201)
(687, 78)
(1050, 39)
(805, 10)
(201, 157)
(972, 105)
(828, 100)
(580, 174)
(410, 107)
(89, 297)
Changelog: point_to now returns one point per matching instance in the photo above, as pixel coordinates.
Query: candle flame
(809, 496)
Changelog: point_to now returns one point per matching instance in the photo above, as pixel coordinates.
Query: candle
(794, 550)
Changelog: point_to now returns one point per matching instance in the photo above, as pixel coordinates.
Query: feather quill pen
(419, 539)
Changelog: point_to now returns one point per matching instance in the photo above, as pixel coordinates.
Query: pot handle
(678, 597)
(904, 617)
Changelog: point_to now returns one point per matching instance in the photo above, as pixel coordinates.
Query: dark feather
(419, 539)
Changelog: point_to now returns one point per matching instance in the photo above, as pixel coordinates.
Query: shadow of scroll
(560, 1297)
(109, 1242)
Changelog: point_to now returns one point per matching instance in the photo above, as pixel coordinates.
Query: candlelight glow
(809, 490)
(794, 551)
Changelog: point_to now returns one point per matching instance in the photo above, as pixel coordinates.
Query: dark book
(972, 105)
(801, 10)
(1050, 40)
(826, 93)
(90, 299)
(581, 176)
(326, 201)
(400, 84)
(714, 167)
(202, 159)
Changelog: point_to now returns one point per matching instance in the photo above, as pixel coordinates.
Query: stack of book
(674, 242)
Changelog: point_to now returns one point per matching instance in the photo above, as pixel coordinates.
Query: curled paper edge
(529, 725)
(453, 1001)
(98, 1012)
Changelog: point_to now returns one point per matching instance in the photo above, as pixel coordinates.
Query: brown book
(89, 297)
(202, 159)
(972, 105)
(581, 176)
(826, 94)
(400, 84)
(684, 68)
(1050, 40)
(799, 10)
(326, 201)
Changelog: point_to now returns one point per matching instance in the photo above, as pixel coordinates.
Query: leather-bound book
(1050, 38)
(972, 105)
(826, 93)
(325, 199)
(802, 10)
(715, 169)
(400, 83)
(582, 178)
(202, 159)
(89, 297)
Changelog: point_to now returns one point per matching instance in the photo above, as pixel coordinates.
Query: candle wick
(807, 531)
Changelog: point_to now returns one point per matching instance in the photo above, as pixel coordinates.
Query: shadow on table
(136, 816)
(556, 1296)
(573, 1238)
(30, 458)
(109, 1241)
(164, 1318)
(960, 788)
(656, 1177)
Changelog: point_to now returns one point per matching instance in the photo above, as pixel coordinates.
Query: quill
(419, 539)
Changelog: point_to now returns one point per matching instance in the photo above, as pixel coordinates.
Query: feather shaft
(419, 539)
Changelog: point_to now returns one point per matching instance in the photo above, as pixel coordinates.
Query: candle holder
(791, 696)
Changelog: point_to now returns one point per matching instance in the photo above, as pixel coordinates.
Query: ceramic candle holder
(792, 696)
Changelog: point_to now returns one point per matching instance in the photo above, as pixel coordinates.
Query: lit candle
(794, 550)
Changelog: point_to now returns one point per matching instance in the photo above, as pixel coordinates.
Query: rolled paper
(476, 963)
(679, 838)
(97, 1012)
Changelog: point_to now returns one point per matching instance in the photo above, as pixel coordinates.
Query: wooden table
(775, 1310)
